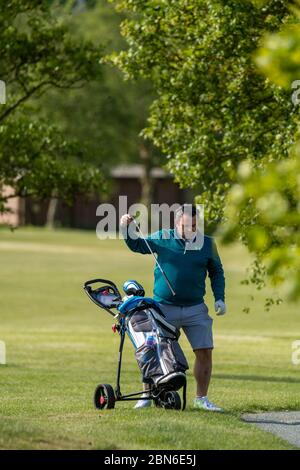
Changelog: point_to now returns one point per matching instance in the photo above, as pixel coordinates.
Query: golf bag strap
(169, 328)
(166, 325)
(144, 304)
(141, 306)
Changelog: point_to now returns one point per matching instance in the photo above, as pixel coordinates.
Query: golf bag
(157, 351)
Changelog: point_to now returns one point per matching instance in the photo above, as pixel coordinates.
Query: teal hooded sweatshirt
(186, 269)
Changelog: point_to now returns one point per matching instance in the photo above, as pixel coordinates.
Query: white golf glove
(125, 220)
(220, 307)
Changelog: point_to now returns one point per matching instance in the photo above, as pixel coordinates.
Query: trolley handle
(103, 281)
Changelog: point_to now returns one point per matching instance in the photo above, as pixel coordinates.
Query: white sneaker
(143, 403)
(203, 403)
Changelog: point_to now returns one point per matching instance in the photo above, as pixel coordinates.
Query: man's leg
(142, 402)
(198, 329)
(202, 370)
(202, 373)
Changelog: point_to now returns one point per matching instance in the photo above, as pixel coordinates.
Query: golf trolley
(157, 351)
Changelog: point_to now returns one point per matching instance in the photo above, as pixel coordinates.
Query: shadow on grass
(274, 418)
(257, 378)
(220, 414)
(262, 421)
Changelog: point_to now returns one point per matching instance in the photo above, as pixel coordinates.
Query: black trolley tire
(170, 400)
(104, 397)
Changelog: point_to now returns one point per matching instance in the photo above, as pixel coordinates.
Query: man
(186, 267)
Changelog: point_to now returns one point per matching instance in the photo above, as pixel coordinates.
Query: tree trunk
(51, 212)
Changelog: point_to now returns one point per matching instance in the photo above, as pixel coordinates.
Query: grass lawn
(60, 346)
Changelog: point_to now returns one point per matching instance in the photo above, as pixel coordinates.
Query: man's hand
(220, 307)
(125, 220)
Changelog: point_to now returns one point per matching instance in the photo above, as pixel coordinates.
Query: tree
(108, 115)
(213, 108)
(271, 198)
(37, 54)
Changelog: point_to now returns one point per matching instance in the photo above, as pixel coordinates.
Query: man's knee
(203, 355)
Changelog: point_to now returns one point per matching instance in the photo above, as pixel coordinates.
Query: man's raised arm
(137, 245)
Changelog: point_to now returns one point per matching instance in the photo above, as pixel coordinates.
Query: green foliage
(37, 54)
(37, 161)
(270, 200)
(213, 107)
(106, 115)
(279, 55)
(263, 207)
(216, 109)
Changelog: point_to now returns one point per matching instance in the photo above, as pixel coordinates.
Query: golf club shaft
(161, 269)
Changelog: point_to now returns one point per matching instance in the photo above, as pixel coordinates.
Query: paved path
(285, 424)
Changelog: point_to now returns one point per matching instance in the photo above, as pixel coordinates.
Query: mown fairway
(60, 345)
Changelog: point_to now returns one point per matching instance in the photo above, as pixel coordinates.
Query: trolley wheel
(104, 397)
(169, 400)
